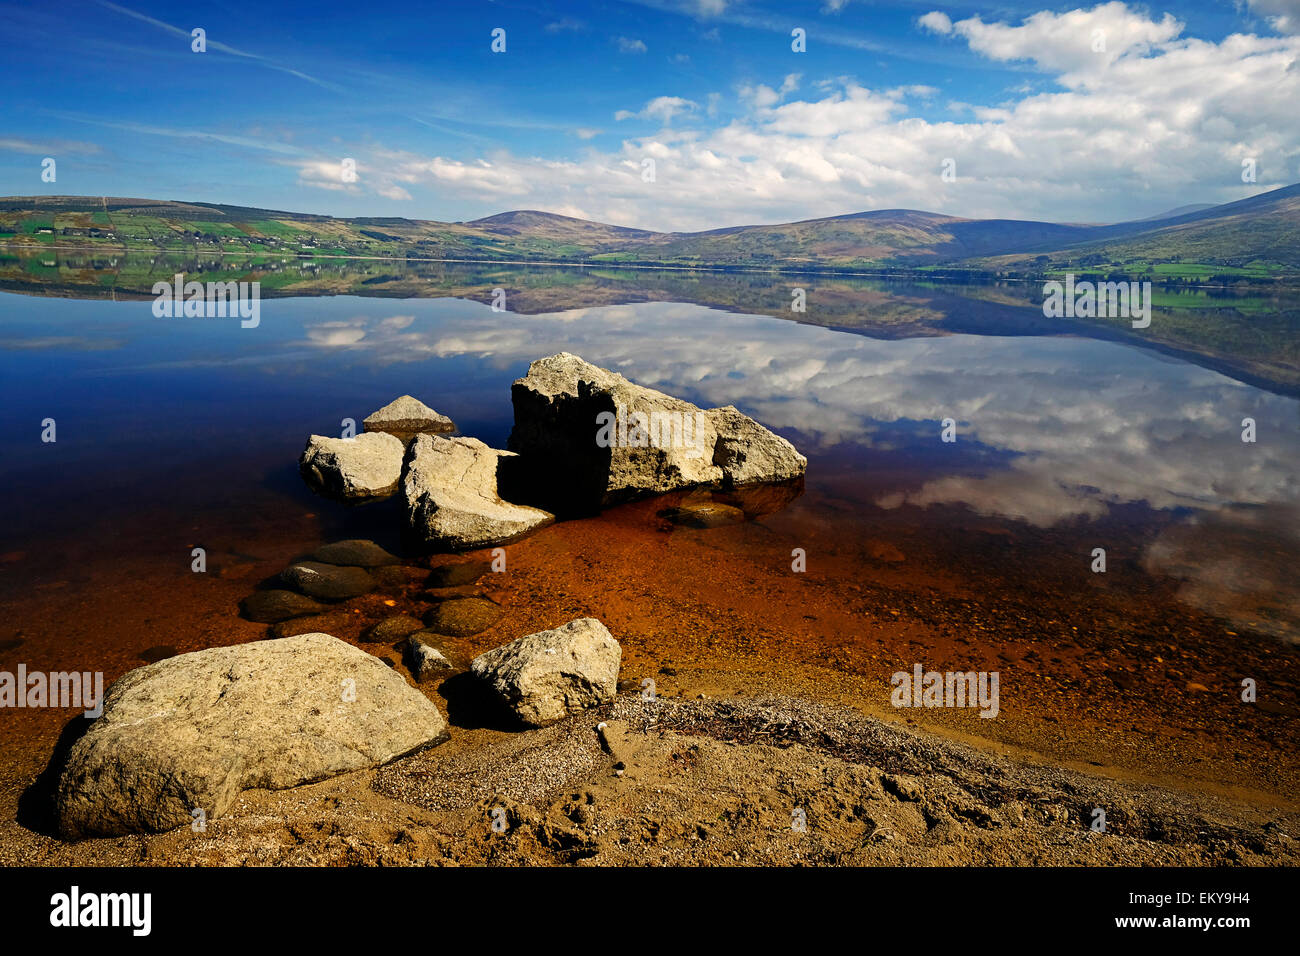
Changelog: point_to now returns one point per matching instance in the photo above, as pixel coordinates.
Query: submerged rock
(462, 617)
(392, 629)
(270, 607)
(355, 552)
(704, 514)
(339, 622)
(328, 582)
(406, 417)
(545, 676)
(590, 438)
(455, 575)
(452, 500)
(192, 732)
(364, 468)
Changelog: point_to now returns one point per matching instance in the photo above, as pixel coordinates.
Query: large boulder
(545, 676)
(452, 501)
(363, 468)
(591, 438)
(192, 732)
(406, 417)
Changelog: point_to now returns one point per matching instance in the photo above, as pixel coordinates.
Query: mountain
(1179, 211)
(1254, 238)
(532, 222)
(1258, 236)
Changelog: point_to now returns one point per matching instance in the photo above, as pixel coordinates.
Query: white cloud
(1154, 121)
(661, 108)
(51, 147)
(936, 21)
(629, 45)
(1078, 43)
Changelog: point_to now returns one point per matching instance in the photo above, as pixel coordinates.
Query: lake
(184, 432)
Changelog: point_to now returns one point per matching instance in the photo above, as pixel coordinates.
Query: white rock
(659, 443)
(363, 468)
(407, 417)
(451, 495)
(545, 676)
(193, 731)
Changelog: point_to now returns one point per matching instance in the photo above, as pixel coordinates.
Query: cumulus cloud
(936, 21)
(1079, 43)
(630, 45)
(1150, 116)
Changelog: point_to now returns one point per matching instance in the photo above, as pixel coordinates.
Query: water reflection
(1052, 432)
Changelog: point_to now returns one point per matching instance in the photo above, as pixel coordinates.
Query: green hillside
(1254, 239)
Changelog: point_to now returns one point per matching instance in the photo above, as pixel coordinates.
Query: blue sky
(1036, 121)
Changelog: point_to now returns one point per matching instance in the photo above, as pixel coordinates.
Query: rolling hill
(1254, 238)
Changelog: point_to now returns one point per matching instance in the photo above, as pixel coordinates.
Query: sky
(659, 114)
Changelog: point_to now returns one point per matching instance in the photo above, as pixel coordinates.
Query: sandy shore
(735, 782)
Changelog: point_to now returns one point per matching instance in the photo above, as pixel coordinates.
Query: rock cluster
(584, 438)
(180, 739)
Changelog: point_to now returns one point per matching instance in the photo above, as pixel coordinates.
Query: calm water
(202, 420)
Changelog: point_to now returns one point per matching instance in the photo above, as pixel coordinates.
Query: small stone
(406, 417)
(392, 629)
(328, 582)
(426, 661)
(885, 552)
(396, 576)
(545, 676)
(434, 595)
(453, 575)
(268, 607)
(462, 617)
(340, 623)
(356, 553)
